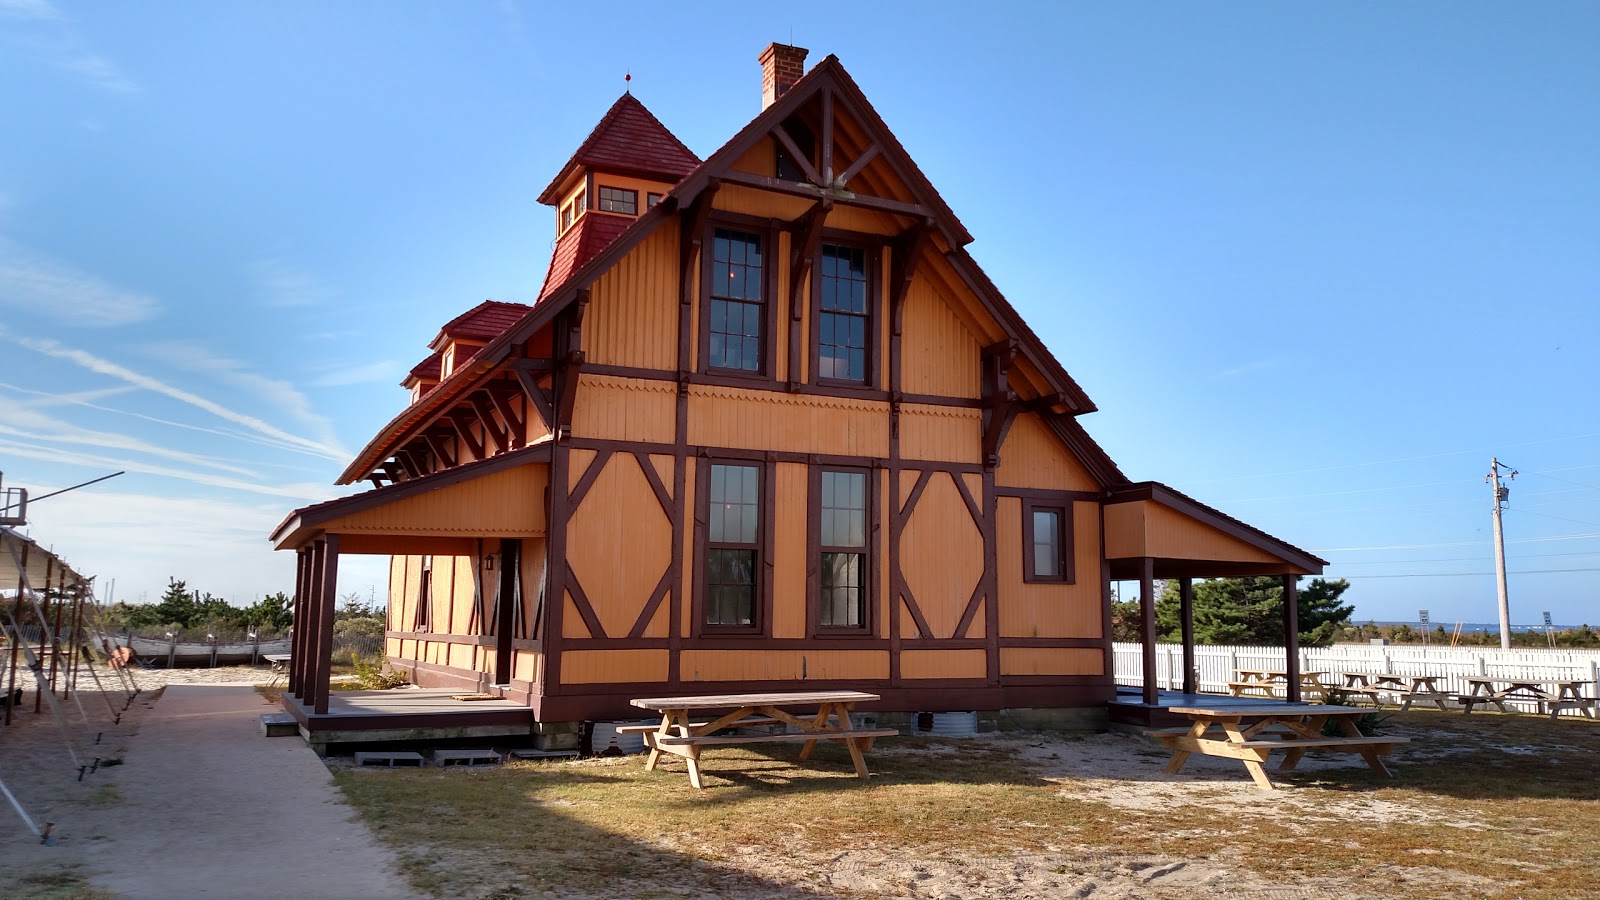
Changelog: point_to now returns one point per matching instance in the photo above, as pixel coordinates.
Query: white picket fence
(1217, 665)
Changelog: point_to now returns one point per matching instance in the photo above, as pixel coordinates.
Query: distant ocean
(1468, 627)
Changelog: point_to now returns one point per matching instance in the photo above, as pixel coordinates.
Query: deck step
(279, 725)
(466, 757)
(390, 758)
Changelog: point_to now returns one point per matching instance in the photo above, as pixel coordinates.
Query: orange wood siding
(619, 543)
(1043, 609)
(941, 433)
(686, 612)
(941, 556)
(572, 624)
(760, 420)
(762, 204)
(632, 317)
(625, 409)
(762, 159)
(1051, 661)
(392, 648)
(502, 504)
(613, 666)
(1033, 457)
(464, 596)
(866, 221)
(533, 581)
(578, 461)
(784, 665)
(399, 607)
(527, 665)
(1147, 528)
(789, 544)
(944, 663)
(939, 354)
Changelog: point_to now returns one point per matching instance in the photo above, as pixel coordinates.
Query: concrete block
(567, 740)
(389, 758)
(279, 725)
(544, 754)
(471, 757)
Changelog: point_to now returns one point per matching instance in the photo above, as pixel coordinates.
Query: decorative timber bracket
(999, 401)
(905, 255)
(570, 358)
(805, 243)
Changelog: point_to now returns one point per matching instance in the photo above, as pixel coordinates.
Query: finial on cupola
(626, 78)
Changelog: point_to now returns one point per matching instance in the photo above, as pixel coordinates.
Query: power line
(1398, 562)
(1558, 518)
(1473, 574)
(1478, 543)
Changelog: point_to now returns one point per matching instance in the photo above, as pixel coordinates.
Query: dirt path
(201, 806)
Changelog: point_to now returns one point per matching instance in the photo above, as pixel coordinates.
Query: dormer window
(618, 200)
(571, 211)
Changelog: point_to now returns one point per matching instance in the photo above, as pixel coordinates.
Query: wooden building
(767, 425)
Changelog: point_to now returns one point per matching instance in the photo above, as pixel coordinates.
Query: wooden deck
(417, 714)
(1129, 707)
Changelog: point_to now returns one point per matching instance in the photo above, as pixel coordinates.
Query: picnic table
(1556, 695)
(1252, 734)
(1405, 688)
(1271, 681)
(280, 666)
(678, 735)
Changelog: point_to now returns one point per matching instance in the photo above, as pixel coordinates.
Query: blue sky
(1315, 265)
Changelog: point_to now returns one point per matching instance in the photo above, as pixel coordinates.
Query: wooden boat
(162, 652)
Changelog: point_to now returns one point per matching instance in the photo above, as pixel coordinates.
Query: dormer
(423, 377)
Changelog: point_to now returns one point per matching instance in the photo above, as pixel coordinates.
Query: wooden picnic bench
(678, 736)
(1405, 689)
(1553, 695)
(280, 666)
(1274, 683)
(1252, 734)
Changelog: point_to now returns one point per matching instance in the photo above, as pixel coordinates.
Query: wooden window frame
(600, 199)
(1063, 511)
(767, 230)
(872, 248)
(765, 489)
(814, 550)
(651, 198)
(422, 621)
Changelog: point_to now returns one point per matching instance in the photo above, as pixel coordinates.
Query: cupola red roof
(628, 141)
(484, 322)
(582, 242)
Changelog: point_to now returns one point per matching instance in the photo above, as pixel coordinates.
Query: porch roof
(1186, 538)
(502, 496)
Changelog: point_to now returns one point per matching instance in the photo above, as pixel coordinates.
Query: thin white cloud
(195, 357)
(366, 373)
(98, 71)
(31, 10)
(325, 448)
(77, 398)
(1250, 368)
(279, 284)
(38, 284)
(20, 421)
(302, 491)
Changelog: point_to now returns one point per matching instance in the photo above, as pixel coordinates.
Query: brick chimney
(781, 66)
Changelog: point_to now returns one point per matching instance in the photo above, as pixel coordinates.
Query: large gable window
(733, 546)
(736, 335)
(844, 319)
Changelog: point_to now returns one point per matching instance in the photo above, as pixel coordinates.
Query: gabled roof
(585, 240)
(557, 295)
(629, 140)
(1216, 518)
(427, 370)
(484, 322)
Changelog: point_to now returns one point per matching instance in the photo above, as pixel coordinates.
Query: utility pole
(1500, 495)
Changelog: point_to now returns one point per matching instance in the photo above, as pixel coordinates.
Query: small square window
(618, 200)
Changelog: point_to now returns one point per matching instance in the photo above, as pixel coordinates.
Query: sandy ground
(130, 818)
(195, 803)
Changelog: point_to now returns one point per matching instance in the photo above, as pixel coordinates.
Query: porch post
(1291, 635)
(298, 623)
(1147, 627)
(1186, 614)
(327, 596)
(306, 618)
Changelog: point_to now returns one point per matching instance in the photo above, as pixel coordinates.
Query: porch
(407, 714)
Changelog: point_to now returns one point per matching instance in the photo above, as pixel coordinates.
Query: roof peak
(629, 140)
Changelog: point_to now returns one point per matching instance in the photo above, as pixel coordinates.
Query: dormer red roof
(429, 369)
(583, 242)
(484, 322)
(628, 141)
